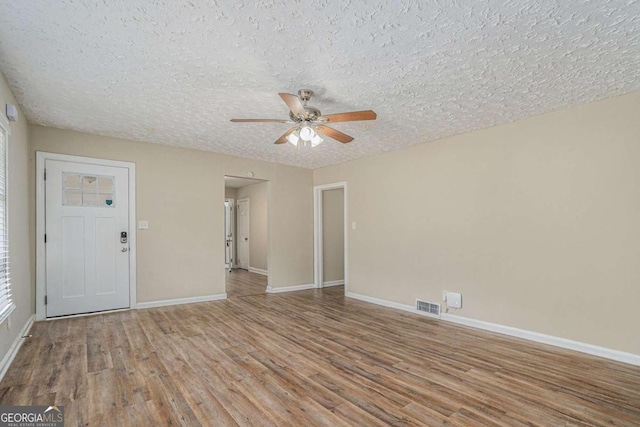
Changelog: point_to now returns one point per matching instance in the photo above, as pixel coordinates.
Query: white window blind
(6, 304)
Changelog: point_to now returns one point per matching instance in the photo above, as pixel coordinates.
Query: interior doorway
(246, 236)
(330, 236)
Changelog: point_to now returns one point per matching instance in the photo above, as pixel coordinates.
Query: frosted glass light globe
(293, 139)
(316, 140)
(306, 133)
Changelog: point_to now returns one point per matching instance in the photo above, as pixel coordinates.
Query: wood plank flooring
(241, 283)
(308, 358)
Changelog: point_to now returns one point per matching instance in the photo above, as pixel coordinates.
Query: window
(6, 304)
(87, 190)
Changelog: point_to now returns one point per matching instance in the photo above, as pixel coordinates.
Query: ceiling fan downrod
(305, 95)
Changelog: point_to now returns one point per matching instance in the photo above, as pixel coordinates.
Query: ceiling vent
(429, 308)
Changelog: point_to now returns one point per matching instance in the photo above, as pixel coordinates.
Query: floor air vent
(429, 308)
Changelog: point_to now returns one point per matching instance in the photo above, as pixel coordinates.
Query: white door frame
(41, 282)
(246, 199)
(318, 238)
(233, 233)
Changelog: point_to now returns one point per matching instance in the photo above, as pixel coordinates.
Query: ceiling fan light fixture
(316, 140)
(293, 138)
(306, 133)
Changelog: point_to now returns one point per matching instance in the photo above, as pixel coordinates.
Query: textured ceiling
(175, 72)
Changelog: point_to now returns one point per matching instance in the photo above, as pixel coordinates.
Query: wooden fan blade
(259, 121)
(294, 104)
(332, 133)
(351, 117)
(284, 136)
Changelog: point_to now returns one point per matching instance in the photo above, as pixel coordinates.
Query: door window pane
(72, 197)
(89, 182)
(105, 184)
(72, 180)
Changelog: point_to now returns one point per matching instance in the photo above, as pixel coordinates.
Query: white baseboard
(13, 350)
(272, 290)
(607, 353)
(163, 303)
(259, 271)
(383, 302)
(333, 283)
(595, 350)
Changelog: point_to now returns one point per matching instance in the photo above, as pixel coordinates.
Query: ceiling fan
(309, 121)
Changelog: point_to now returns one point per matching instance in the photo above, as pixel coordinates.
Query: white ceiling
(235, 182)
(175, 72)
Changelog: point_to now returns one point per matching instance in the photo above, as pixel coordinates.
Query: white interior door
(87, 249)
(228, 234)
(242, 215)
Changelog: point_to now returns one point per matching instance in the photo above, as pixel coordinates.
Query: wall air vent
(428, 308)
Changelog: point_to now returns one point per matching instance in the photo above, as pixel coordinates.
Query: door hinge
(45, 174)
(45, 300)
(45, 238)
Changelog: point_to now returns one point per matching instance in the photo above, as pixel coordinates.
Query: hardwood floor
(308, 358)
(242, 283)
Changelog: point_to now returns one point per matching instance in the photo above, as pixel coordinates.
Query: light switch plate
(143, 225)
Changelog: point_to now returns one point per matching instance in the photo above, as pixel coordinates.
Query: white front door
(243, 233)
(87, 237)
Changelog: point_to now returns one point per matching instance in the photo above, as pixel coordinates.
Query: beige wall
(180, 193)
(19, 236)
(333, 235)
(536, 223)
(230, 193)
(258, 223)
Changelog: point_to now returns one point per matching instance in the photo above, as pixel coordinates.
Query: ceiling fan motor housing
(312, 115)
